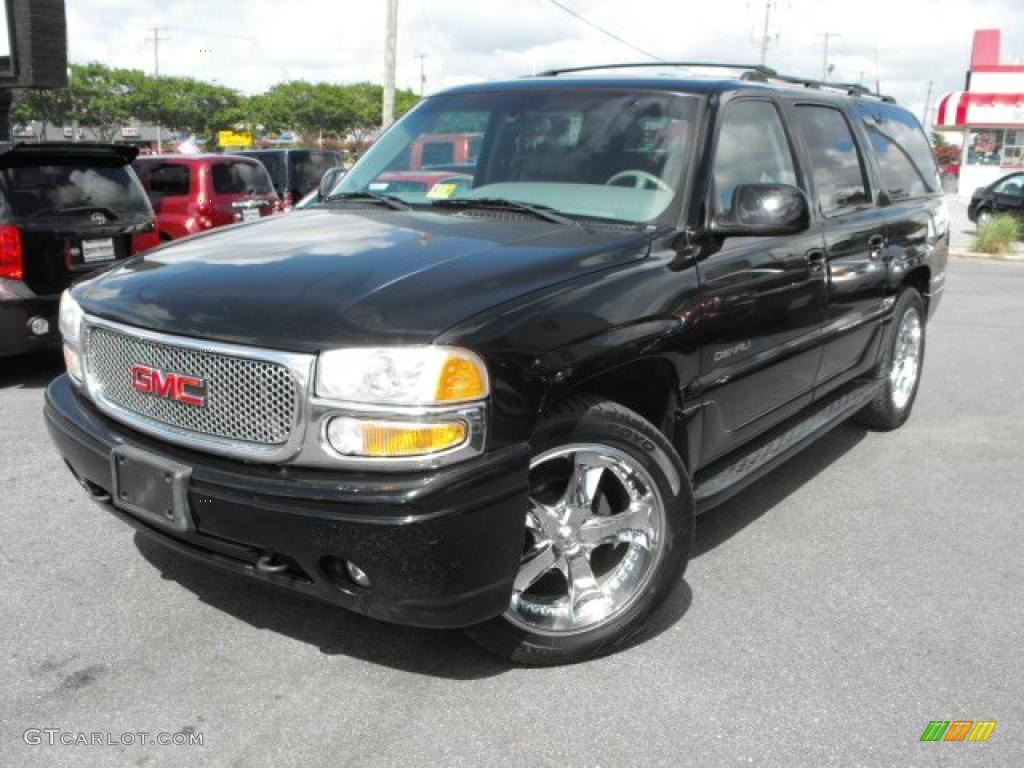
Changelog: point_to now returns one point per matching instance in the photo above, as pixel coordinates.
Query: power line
(604, 31)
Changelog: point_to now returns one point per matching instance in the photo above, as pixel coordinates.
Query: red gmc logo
(170, 386)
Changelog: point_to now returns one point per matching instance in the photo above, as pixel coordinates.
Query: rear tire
(609, 530)
(901, 366)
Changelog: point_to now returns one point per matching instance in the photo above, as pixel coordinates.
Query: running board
(732, 474)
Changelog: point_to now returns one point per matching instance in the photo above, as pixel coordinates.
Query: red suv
(193, 193)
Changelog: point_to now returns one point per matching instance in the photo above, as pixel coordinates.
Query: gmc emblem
(170, 386)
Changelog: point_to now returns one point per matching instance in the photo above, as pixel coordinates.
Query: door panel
(763, 302)
(763, 310)
(858, 260)
(855, 243)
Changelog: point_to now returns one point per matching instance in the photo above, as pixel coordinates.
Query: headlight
(71, 315)
(409, 376)
(70, 319)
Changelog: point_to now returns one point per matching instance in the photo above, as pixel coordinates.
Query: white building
(989, 112)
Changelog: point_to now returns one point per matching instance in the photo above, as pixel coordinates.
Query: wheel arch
(647, 385)
(920, 279)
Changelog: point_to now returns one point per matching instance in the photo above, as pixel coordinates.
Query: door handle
(816, 262)
(876, 243)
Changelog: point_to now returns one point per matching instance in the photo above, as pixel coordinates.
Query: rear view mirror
(328, 181)
(764, 209)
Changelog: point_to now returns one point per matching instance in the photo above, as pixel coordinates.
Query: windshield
(603, 153)
(43, 190)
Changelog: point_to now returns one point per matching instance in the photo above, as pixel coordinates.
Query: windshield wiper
(501, 204)
(393, 202)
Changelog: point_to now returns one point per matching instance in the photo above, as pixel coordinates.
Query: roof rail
(752, 72)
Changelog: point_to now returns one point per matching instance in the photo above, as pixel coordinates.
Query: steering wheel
(640, 179)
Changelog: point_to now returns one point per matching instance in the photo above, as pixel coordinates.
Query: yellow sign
(234, 139)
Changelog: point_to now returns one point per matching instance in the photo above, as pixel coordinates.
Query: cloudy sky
(251, 44)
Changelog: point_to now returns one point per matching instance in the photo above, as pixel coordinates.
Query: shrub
(998, 235)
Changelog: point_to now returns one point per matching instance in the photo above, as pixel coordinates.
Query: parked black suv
(295, 172)
(500, 405)
(66, 210)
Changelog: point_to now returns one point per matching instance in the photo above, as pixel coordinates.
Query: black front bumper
(441, 548)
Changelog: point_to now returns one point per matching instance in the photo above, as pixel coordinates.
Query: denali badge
(170, 386)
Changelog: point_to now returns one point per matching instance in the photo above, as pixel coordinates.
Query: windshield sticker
(442, 191)
(377, 186)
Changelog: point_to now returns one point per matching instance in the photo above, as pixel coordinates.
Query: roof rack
(751, 72)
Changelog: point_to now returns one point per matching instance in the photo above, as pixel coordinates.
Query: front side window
(752, 149)
(836, 164)
(904, 156)
(605, 153)
(1012, 185)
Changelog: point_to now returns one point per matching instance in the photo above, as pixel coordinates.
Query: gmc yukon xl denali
(499, 405)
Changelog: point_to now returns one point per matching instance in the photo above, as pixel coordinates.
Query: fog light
(40, 326)
(357, 574)
(357, 437)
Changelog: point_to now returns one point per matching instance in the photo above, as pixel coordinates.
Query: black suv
(66, 210)
(500, 404)
(295, 172)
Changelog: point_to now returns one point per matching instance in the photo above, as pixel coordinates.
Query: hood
(323, 278)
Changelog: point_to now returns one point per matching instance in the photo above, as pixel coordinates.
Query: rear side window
(72, 188)
(170, 180)
(904, 157)
(752, 149)
(836, 164)
(239, 178)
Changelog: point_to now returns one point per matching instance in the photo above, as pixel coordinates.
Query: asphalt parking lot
(828, 614)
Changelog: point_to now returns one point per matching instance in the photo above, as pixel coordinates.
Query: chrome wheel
(595, 534)
(984, 217)
(906, 358)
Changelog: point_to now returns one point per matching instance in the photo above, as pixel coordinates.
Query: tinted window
(836, 164)
(904, 157)
(752, 149)
(170, 180)
(239, 179)
(1012, 185)
(72, 188)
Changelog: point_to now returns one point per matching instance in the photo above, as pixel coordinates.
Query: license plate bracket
(151, 487)
(98, 250)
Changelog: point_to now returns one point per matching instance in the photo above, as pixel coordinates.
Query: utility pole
(766, 40)
(824, 66)
(390, 57)
(156, 39)
(423, 74)
(927, 105)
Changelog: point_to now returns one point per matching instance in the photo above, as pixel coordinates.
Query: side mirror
(328, 181)
(764, 209)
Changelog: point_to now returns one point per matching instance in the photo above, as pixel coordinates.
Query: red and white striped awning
(961, 109)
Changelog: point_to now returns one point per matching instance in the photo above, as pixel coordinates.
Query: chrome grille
(247, 400)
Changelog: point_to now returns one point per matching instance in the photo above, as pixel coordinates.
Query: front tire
(901, 366)
(608, 535)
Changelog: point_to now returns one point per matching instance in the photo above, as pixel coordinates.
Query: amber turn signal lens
(461, 379)
(382, 439)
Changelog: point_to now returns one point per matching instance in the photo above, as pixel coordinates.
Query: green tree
(48, 106)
